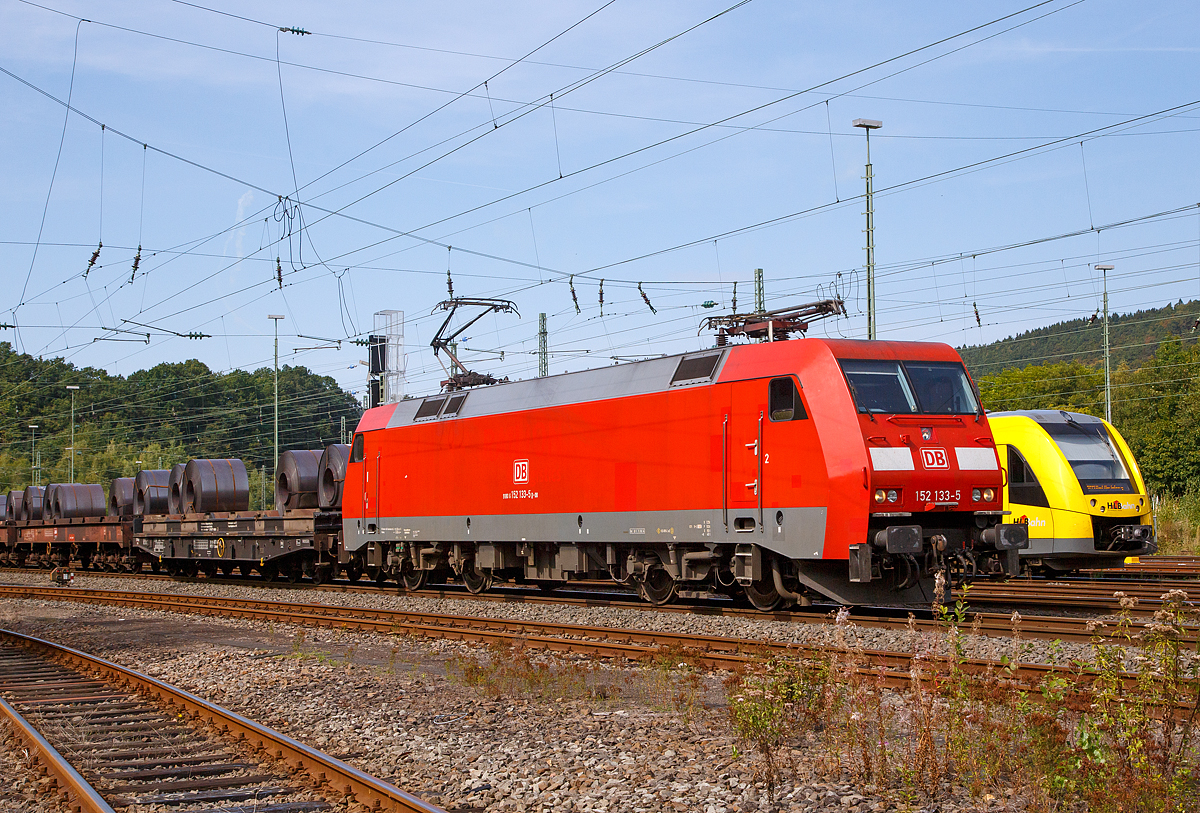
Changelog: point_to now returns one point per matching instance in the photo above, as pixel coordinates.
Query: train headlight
(975, 495)
(989, 494)
(893, 495)
(880, 495)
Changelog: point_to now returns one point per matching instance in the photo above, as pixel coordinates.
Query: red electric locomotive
(847, 469)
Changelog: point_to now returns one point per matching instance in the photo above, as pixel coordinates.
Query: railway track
(1085, 595)
(895, 669)
(111, 738)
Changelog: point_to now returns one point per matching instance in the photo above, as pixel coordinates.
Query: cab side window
(356, 451)
(1023, 486)
(783, 400)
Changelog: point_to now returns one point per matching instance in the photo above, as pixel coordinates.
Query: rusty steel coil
(31, 503)
(175, 489)
(215, 485)
(74, 500)
(120, 497)
(296, 480)
(12, 508)
(151, 488)
(333, 475)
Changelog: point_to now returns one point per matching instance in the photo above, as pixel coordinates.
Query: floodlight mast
(442, 340)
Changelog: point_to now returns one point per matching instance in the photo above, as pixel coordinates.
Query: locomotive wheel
(411, 579)
(476, 581)
(762, 595)
(657, 586)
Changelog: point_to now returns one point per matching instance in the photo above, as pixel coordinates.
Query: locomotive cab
(934, 475)
(1073, 482)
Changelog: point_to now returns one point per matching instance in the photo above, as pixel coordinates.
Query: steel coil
(215, 485)
(31, 502)
(151, 488)
(120, 497)
(175, 489)
(12, 510)
(74, 500)
(296, 481)
(333, 475)
(48, 500)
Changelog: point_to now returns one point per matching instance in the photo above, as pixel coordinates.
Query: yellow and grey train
(1072, 480)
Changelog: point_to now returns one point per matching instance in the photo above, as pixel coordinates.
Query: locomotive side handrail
(759, 489)
(725, 471)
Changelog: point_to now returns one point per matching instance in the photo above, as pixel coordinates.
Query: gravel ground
(989, 647)
(639, 739)
(23, 790)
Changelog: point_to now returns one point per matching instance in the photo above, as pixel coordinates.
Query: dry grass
(1107, 748)
(1178, 519)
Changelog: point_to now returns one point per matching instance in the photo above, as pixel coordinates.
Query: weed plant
(1114, 734)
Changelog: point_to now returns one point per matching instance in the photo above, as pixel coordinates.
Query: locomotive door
(743, 462)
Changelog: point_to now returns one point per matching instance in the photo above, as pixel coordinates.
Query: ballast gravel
(1060, 653)
(392, 707)
(23, 789)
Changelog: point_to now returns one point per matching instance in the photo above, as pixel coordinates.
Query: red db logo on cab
(520, 471)
(934, 459)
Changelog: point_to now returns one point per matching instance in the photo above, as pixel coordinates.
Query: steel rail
(321, 768)
(1035, 593)
(711, 651)
(71, 786)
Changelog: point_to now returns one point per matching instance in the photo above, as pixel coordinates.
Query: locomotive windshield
(942, 387)
(1093, 456)
(927, 387)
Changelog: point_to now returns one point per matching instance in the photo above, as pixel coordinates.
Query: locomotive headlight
(975, 495)
(880, 495)
(893, 495)
(989, 494)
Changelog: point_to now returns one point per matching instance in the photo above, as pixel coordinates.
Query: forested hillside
(160, 416)
(1133, 338)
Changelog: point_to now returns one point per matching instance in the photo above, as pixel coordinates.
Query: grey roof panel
(601, 383)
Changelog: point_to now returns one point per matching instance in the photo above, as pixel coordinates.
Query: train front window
(942, 387)
(1092, 454)
(879, 386)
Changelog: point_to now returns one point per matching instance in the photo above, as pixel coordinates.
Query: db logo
(934, 459)
(520, 471)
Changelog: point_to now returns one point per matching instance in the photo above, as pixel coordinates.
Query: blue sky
(686, 145)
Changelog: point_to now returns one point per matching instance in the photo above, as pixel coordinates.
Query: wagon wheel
(173, 570)
(244, 568)
(763, 595)
(412, 579)
(320, 575)
(227, 569)
(269, 571)
(353, 572)
(476, 581)
(155, 566)
(657, 586)
(377, 574)
(292, 572)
